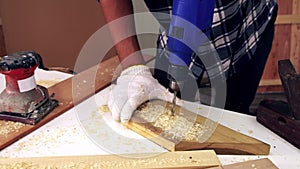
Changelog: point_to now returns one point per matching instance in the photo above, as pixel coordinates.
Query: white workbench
(86, 130)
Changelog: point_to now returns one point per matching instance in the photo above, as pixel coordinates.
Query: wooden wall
(57, 29)
(286, 44)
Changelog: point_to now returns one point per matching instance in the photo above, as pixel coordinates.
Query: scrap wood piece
(223, 139)
(184, 159)
(251, 164)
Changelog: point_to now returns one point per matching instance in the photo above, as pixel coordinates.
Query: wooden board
(223, 140)
(69, 93)
(252, 164)
(191, 159)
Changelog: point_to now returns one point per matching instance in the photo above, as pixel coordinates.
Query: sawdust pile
(8, 127)
(174, 127)
(31, 165)
(104, 108)
(100, 163)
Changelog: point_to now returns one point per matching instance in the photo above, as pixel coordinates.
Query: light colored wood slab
(252, 164)
(174, 160)
(288, 19)
(223, 140)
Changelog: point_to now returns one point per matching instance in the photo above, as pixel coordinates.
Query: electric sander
(23, 100)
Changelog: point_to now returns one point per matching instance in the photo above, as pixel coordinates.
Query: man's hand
(134, 86)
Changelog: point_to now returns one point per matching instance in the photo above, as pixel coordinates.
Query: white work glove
(134, 86)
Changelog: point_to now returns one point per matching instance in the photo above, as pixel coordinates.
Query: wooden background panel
(280, 50)
(295, 38)
(281, 42)
(285, 44)
(56, 29)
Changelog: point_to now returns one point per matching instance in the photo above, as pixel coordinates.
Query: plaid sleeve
(237, 28)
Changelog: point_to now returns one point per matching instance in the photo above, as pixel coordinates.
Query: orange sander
(23, 100)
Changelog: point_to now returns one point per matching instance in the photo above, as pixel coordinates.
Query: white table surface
(86, 130)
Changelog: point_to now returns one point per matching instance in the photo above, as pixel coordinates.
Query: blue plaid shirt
(236, 29)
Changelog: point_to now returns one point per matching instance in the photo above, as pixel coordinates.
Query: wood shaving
(104, 108)
(173, 127)
(8, 127)
(104, 164)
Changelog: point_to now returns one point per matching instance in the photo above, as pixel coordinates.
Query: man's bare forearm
(116, 9)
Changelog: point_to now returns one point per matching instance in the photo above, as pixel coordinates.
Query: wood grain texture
(286, 44)
(252, 164)
(266, 89)
(271, 82)
(223, 140)
(281, 46)
(54, 29)
(174, 160)
(69, 93)
(295, 37)
(288, 19)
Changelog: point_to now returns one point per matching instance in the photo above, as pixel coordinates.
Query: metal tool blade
(173, 104)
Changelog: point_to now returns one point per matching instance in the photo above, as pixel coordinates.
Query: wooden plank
(69, 92)
(222, 139)
(295, 38)
(270, 82)
(288, 19)
(280, 50)
(263, 89)
(281, 46)
(184, 159)
(252, 164)
(285, 7)
(267, 85)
